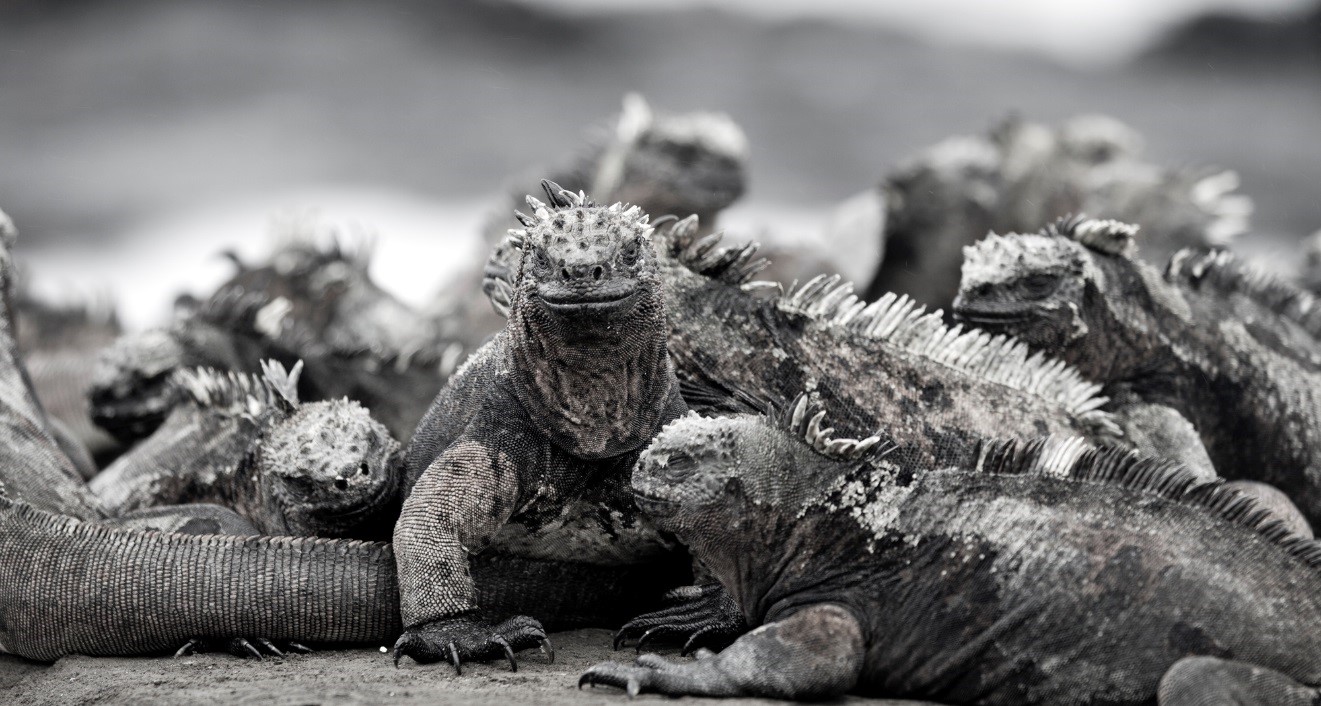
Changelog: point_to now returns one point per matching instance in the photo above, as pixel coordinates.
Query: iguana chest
(598, 526)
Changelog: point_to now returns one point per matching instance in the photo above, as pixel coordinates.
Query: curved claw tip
(619, 640)
(548, 650)
(509, 652)
(633, 688)
(454, 659)
(585, 679)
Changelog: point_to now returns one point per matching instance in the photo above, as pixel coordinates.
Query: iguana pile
(941, 390)
(527, 452)
(1024, 174)
(311, 301)
(1047, 572)
(319, 468)
(1211, 351)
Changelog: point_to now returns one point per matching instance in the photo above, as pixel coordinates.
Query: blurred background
(140, 137)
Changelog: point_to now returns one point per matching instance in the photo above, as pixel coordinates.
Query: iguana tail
(70, 587)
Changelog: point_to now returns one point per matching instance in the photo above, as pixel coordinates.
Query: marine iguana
(312, 300)
(1212, 351)
(942, 389)
(1024, 174)
(527, 451)
(1046, 572)
(319, 468)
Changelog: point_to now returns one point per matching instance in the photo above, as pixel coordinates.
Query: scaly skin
(1024, 174)
(527, 451)
(320, 468)
(1044, 573)
(1211, 352)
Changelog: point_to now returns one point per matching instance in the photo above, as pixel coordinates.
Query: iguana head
(583, 265)
(1073, 290)
(333, 470)
(323, 468)
(703, 472)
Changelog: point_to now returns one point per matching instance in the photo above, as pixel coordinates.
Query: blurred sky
(140, 137)
(1084, 32)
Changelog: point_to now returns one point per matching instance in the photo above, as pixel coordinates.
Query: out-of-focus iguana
(1211, 352)
(311, 301)
(1047, 572)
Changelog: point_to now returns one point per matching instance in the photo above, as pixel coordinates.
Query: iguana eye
(1038, 286)
(629, 253)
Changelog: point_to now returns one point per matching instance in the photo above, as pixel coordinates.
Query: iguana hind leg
(815, 653)
(1208, 681)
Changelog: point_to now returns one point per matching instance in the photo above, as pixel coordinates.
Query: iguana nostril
(341, 483)
(363, 469)
(597, 272)
(564, 274)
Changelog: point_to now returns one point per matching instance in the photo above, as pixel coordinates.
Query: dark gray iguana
(940, 390)
(1211, 352)
(1047, 572)
(319, 468)
(527, 452)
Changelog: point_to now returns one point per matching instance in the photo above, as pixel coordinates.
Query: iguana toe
(461, 639)
(706, 615)
(633, 679)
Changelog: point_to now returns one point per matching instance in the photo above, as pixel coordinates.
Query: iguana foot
(705, 616)
(649, 672)
(462, 639)
(242, 647)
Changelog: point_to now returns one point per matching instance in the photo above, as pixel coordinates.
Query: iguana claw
(257, 648)
(707, 615)
(464, 639)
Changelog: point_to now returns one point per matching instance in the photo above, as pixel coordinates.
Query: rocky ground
(326, 677)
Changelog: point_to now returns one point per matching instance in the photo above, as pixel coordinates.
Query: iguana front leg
(1161, 431)
(703, 615)
(815, 653)
(461, 500)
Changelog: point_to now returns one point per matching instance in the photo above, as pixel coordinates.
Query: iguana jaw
(614, 297)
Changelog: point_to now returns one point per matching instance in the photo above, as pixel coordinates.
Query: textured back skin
(68, 587)
(936, 391)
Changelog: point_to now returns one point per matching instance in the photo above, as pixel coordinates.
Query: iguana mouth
(590, 301)
(990, 317)
(657, 508)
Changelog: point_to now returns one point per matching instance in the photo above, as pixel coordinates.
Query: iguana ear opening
(283, 383)
(1106, 236)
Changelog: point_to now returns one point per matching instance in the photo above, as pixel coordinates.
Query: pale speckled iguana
(1023, 174)
(318, 468)
(526, 453)
(1047, 572)
(1212, 351)
(940, 390)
